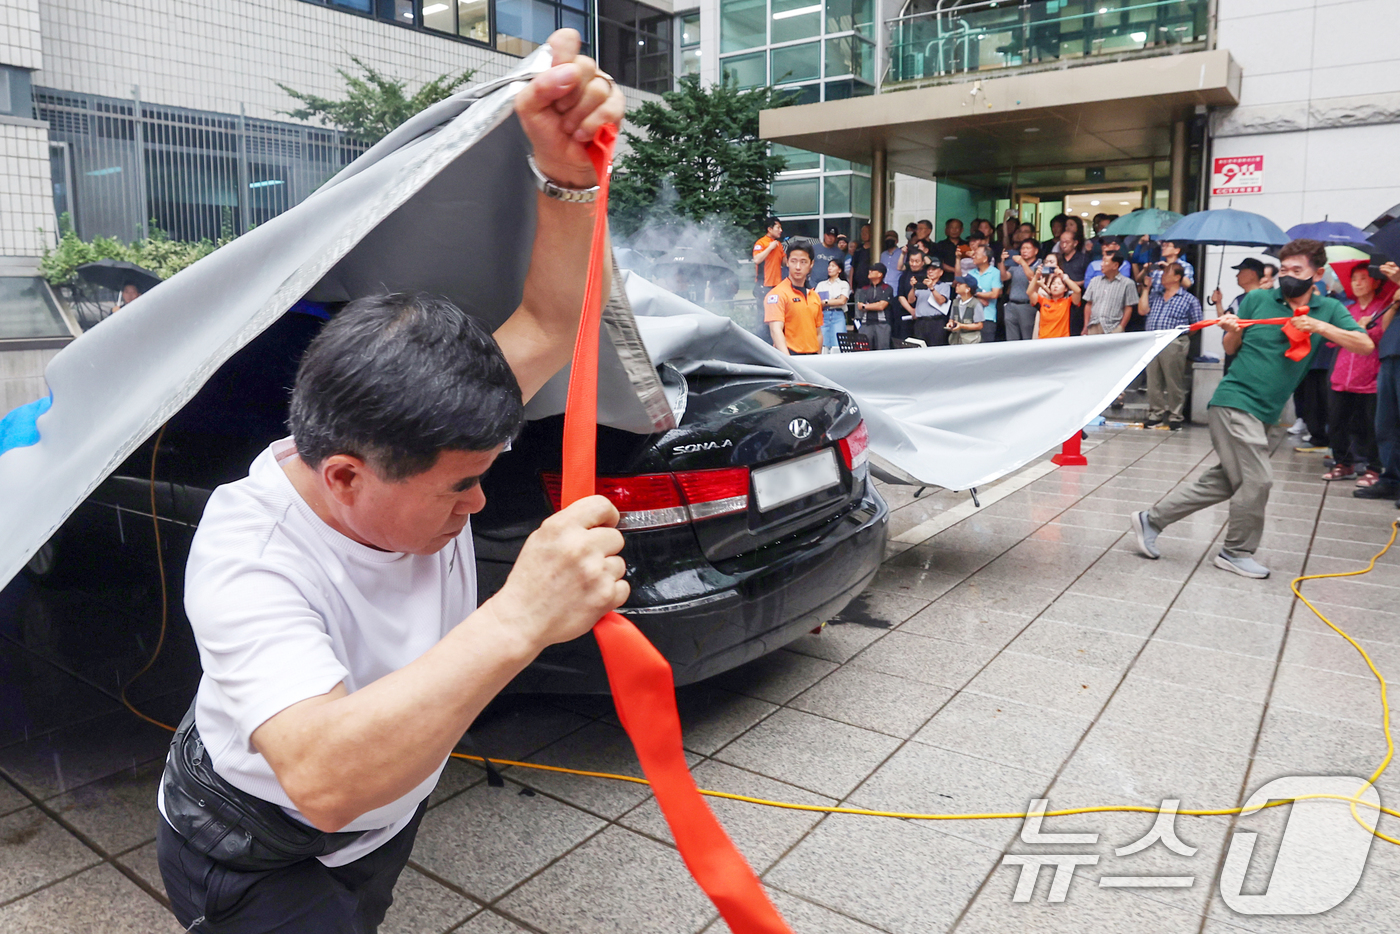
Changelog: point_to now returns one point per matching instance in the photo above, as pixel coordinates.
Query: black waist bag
(229, 825)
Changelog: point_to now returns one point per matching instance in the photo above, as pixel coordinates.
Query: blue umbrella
(1143, 222)
(1333, 233)
(1226, 227)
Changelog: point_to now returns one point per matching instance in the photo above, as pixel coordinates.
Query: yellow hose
(1064, 812)
(865, 812)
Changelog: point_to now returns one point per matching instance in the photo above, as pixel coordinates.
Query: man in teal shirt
(1249, 399)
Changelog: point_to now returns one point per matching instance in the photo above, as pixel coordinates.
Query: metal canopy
(1085, 114)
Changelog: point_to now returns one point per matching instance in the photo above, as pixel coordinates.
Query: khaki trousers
(1243, 476)
(1166, 383)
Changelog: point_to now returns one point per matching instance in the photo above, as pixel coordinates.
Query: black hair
(768, 224)
(1059, 217)
(397, 379)
(802, 246)
(1314, 251)
(878, 267)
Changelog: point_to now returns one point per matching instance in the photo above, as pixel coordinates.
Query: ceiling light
(1139, 37)
(1032, 129)
(1103, 9)
(788, 14)
(1095, 203)
(271, 181)
(950, 137)
(1083, 213)
(1125, 203)
(435, 8)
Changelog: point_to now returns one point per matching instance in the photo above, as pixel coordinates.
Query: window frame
(378, 7)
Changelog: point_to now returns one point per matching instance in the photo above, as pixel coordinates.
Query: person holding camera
(1016, 273)
(967, 314)
(1151, 276)
(926, 301)
(1054, 293)
(1168, 308)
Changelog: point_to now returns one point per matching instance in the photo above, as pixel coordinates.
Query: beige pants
(1243, 476)
(1166, 383)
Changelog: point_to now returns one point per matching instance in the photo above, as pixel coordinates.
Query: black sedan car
(746, 526)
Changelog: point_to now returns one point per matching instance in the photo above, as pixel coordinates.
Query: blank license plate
(783, 483)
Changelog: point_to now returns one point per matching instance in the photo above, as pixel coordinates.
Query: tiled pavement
(1024, 652)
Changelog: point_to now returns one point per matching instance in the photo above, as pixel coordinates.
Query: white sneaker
(1243, 565)
(1298, 427)
(1146, 535)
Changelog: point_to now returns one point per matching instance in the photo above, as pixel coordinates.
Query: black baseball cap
(833, 231)
(1252, 264)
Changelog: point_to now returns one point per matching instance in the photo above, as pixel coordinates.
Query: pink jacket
(1355, 372)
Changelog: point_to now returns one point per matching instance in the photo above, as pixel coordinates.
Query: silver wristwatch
(559, 192)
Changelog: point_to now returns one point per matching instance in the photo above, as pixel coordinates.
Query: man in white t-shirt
(332, 592)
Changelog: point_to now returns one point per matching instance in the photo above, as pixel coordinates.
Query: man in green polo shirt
(1249, 399)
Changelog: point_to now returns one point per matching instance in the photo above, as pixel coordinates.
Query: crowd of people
(1348, 404)
(997, 284)
(1007, 285)
(1021, 287)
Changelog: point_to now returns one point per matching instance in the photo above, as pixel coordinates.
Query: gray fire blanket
(444, 204)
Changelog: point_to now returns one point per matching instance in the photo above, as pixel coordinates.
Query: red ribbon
(643, 686)
(1299, 342)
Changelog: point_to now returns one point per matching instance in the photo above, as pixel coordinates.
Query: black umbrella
(115, 273)
(699, 262)
(1384, 232)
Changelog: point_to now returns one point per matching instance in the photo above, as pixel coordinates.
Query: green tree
(373, 104)
(157, 253)
(700, 159)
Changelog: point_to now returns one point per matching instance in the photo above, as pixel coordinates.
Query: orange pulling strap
(642, 685)
(1299, 343)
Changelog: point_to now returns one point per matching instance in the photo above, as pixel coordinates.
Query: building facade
(1037, 107)
(128, 117)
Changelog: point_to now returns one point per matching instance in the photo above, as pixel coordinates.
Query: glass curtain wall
(688, 28)
(516, 27)
(822, 50)
(635, 45)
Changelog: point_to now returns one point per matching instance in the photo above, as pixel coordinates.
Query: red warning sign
(1237, 175)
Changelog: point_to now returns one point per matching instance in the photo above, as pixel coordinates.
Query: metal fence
(120, 166)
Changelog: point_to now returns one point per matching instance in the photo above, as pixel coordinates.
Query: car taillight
(655, 501)
(855, 447)
(710, 493)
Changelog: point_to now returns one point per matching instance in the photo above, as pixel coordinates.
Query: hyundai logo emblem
(801, 428)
